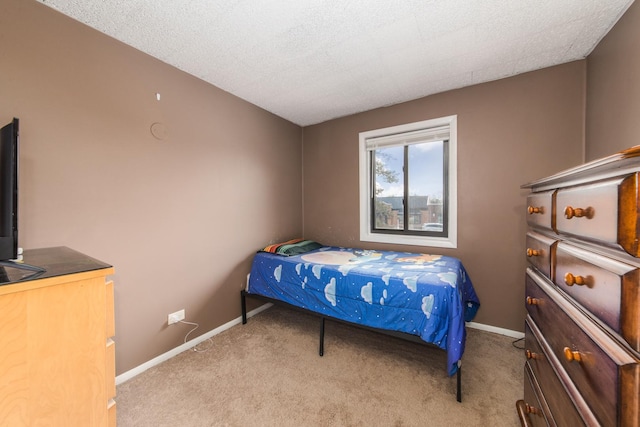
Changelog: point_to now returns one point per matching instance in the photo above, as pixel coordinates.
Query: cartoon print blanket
(430, 296)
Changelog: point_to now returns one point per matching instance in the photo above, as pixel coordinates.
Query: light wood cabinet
(57, 353)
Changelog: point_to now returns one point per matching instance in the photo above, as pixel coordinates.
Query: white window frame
(451, 241)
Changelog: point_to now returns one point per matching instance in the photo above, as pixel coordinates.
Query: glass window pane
(408, 184)
(426, 186)
(388, 197)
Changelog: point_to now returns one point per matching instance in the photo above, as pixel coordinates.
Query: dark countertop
(56, 261)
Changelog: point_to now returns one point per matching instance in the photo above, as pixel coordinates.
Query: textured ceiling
(309, 61)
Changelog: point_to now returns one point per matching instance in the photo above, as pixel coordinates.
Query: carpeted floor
(268, 373)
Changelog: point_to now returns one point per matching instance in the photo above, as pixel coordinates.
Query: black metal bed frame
(401, 335)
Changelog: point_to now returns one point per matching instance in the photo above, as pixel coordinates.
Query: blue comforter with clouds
(430, 296)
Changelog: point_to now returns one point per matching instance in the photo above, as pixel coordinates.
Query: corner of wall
(302, 178)
(584, 109)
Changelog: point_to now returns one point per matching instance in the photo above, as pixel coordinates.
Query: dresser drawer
(560, 404)
(539, 210)
(110, 369)
(111, 414)
(605, 287)
(110, 321)
(589, 211)
(604, 212)
(602, 371)
(532, 411)
(540, 251)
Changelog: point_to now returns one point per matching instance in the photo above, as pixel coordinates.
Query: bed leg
(321, 352)
(243, 304)
(459, 384)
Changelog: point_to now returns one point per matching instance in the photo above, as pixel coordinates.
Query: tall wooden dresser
(57, 359)
(582, 329)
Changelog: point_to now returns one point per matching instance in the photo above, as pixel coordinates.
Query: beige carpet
(268, 373)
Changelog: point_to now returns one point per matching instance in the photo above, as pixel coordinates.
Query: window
(408, 184)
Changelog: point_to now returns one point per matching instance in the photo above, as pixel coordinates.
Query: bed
(410, 294)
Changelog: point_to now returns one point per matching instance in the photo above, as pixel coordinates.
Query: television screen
(9, 191)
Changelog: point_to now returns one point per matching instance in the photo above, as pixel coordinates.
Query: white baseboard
(496, 330)
(186, 346)
(190, 344)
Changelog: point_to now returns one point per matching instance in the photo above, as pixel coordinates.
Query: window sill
(438, 242)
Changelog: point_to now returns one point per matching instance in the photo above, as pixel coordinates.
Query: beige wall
(178, 218)
(613, 89)
(181, 218)
(510, 132)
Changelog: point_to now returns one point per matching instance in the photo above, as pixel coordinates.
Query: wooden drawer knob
(533, 252)
(572, 356)
(571, 280)
(531, 355)
(524, 409)
(532, 301)
(570, 212)
(535, 210)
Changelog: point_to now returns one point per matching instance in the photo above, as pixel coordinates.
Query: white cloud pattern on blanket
(277, 273)
(449, 278)
(346, 268)
(330, 292)
(411, 283)
(427, 305)
(367, 292)
(317, 270)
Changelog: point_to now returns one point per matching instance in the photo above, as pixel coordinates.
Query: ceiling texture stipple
(309, 61)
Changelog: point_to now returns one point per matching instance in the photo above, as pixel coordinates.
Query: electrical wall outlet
(175, 317)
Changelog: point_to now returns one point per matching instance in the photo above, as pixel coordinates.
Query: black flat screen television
(9, 191)
(9, 254)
